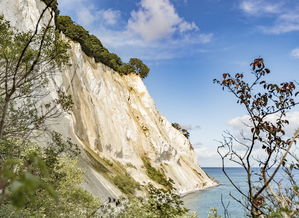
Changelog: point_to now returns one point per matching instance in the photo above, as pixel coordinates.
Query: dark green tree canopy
(139, 67)
(93, 47)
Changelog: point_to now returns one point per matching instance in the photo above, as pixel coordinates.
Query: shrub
(126, 184)
(93, 47)
(159, 203)
(131, 166)
(115, 173)
(139, 67)
(181, 129)
(156, 175)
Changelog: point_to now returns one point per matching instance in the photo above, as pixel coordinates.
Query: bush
(115, 173)
(159, 203)
(181, 129)
(156, 175)
(41, 183)
(126, 184)
(93, 47)
(139, 67)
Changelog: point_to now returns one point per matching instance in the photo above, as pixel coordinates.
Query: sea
(203, 201)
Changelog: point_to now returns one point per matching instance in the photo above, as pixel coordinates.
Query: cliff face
(114, 119)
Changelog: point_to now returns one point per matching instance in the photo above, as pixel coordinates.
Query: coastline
(184, 194)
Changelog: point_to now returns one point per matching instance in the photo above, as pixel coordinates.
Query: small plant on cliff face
(156, 175)
(266, 144)
(181, 129)
(126, 184)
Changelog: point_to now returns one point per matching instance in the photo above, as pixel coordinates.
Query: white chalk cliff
(113, 118)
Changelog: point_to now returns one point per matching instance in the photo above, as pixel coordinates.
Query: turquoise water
(203, 201)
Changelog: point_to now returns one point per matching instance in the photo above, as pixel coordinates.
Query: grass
(131, 166)
(156, 175)
(115, 172)
(126, 184)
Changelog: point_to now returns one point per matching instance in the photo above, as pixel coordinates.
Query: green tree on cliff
(139, 67)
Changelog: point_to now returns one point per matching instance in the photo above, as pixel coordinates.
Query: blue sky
(188, 43)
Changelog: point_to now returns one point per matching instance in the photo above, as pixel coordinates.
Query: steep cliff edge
(115, 121)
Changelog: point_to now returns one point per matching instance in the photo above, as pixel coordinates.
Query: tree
(159, 203)
(266, 105)
(27, 61)
(139, 67)
(30, 172)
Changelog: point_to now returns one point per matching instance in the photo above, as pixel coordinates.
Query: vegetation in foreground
(267, 144)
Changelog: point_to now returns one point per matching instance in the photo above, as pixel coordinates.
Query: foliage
(36, 180)
(116, 173)
(126, 184)
(53, 4)
(29, 175)
(181, 129)
(139, 67)
(21, 171)
(267, 105)
(156, 175)
(27, 61)
(73, 201)
(213, 213)
(90, 44)
(93, 47)
(159, 203)
(57, 148)
(131, 165)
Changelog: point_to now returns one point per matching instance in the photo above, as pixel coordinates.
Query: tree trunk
(3, 116)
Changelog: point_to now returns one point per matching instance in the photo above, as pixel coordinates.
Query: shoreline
(184, 194)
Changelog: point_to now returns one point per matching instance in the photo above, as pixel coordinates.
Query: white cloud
(285, 15)
(85, 17)
(185, 26)
(260, 7)
(295, 53)
(241, 123)
(204, 152)
(88, 16)
(288, 22)
(238, 126)
(157, 19)
(111, 17)
(154, 30)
